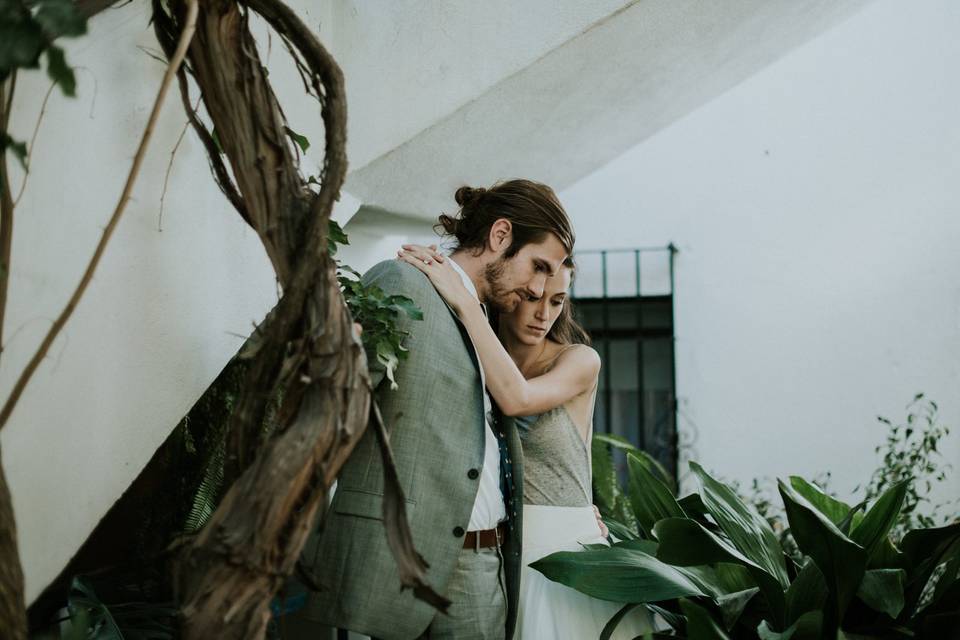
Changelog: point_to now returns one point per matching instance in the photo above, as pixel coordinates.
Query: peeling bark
(306, 348)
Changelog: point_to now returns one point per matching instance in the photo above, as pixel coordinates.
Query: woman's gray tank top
(556, 461)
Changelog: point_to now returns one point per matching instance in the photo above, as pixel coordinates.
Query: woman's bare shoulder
(582, 357)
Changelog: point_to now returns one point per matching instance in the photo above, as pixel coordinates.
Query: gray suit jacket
(436, 424)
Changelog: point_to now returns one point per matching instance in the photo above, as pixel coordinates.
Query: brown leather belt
(485, 538)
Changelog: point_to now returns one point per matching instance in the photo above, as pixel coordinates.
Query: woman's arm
(574, 373)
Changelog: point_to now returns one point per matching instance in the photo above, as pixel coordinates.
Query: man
(459, 462)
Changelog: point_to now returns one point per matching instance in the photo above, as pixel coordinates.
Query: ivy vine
(377, 312)
(27, 31)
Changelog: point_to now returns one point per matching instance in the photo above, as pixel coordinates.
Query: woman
(542, 370)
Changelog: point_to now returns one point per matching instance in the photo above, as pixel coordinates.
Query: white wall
(815, 208)
(163, 314)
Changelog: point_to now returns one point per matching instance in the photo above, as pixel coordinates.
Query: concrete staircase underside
(592, 98)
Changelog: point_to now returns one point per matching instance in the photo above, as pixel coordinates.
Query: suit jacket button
(473, 474)
(458, 532)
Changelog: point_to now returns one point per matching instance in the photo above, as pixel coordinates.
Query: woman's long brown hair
(566, 329)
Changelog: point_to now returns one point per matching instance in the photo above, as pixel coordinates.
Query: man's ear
(500, 236)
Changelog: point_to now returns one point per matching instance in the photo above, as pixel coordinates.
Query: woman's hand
(444, 278)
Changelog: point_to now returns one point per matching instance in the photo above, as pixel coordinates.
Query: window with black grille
(625, 300)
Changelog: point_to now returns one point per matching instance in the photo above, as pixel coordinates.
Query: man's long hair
(532, 208)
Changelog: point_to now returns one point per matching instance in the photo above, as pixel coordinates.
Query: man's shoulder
(396, 276)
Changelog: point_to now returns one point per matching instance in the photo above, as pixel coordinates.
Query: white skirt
(549, 610)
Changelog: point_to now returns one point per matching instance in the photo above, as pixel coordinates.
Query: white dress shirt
(488, 508)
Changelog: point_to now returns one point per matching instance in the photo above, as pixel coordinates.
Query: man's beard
(500, 298)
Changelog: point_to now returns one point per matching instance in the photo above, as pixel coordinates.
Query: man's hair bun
(465, 196)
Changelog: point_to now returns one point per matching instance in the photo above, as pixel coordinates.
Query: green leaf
(748, 531)
(829, 506)
(335, 237)
(615, 441)
(607, 493)
(841, 561)
(60, 18)
(387, 356)
(617, 618)
(700, 624)
(21, 42)
(60, 72)
(405, 305)
(617, 574)
(693, 505)
(618, 442)
(619, 530)
(882, 590)
(650, 498)
(18, 148)
(923, 550)
(877, 522)
(337, 234)
(216, 140)
(807, 592)
(808, 627)
(686, 543)
(301, 141)
(949, 579)
(732, 605)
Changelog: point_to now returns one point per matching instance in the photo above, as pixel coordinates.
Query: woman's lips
(536, 329)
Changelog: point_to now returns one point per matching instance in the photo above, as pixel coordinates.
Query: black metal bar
(650, 299)
(674, 439)
(656, 248)
(607, 394)
(631, 334)
(641, 416)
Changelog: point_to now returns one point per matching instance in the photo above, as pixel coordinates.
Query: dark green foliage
(111, 607)
(845, 574)
(28, 29)
(909, 453)
(378, 313)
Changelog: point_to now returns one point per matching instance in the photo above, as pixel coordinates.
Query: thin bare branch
(33, 140)
(166, 176)
(61, 320)
(7, 89)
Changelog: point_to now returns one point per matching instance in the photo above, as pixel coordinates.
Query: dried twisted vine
(228, 574)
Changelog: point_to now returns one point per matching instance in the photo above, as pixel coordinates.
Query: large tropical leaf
(700, 624)
(607, 494)
(617, 574)
(877, 522)
(841, 561)
(732, 605)
(882, 590)
(807, 627)
(807, 592)
(922, 551)
(619, 530)
(650, 498)
(687, 543)
(617, 618)
(627, 447)
(747, 530)
(835, 510)
(949, 578)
